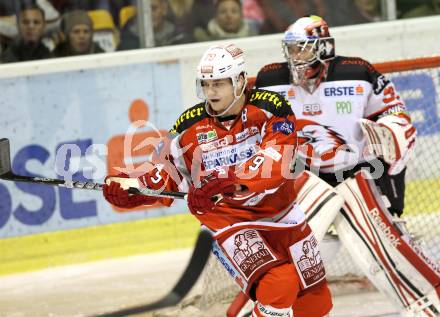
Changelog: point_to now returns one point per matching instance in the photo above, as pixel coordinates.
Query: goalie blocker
(391, 259)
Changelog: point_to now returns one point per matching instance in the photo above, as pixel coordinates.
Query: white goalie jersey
(328, 120)
(353, 113)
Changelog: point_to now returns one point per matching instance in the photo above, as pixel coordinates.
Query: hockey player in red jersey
(353, 128)
(233, 155)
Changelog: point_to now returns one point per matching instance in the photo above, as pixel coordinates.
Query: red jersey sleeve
(164, 175)
(270, 167)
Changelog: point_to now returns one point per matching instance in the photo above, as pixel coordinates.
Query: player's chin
(217, 105)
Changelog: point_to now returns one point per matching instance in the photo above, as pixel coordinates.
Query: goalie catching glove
(212, 189)
(116, 188)
(391, 138)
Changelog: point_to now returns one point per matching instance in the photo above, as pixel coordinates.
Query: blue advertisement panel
(421, 97)
(73, 124)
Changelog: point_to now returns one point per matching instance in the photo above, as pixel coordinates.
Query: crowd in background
(39, 29)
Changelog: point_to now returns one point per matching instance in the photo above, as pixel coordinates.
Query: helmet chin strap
(236, 98)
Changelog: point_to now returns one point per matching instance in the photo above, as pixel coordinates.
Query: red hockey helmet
(306, 45)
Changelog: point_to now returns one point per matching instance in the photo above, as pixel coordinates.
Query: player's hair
(26, 5)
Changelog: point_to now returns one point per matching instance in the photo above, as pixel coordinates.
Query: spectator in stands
(77, 28)
(28, 46)
(105, 17)
(164, 31)
(9, 8)
(228, 23)
(8, 21)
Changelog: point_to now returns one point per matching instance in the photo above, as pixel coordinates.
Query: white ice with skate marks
(105, 286)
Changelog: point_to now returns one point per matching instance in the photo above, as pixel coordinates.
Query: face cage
(201, 94)
(299, 67)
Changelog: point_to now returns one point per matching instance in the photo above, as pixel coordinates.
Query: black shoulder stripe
(351, 68)
(273, 74)
(271, 67)
(270, 101)
(189, 117)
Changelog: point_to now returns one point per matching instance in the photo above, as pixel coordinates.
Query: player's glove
(212, 189)
(116, 188)
(120, 197)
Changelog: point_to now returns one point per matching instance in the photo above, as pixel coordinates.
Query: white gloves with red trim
(391, 138)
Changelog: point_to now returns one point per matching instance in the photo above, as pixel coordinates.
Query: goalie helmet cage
(418, 82)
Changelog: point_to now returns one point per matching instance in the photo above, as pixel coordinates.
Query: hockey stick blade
(7, 174)
(187, 280)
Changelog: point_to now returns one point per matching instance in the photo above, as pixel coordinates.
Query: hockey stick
(7, 175)
(199, 256)
(187, 280)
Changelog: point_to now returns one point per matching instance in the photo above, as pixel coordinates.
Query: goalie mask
(307, 46)
(221, 62)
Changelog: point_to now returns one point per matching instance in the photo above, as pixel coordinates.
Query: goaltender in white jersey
(357, 136)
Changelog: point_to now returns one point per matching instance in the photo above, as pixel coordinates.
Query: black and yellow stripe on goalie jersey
(47, 250)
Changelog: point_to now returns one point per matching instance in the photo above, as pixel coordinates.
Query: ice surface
(105, 286)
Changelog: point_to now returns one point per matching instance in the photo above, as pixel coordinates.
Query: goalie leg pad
(389, 257)
(319, 201)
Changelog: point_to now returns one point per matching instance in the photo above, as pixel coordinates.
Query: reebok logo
(374, 213)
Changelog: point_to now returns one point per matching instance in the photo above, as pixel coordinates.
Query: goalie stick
(7, 174)
(187, 280)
